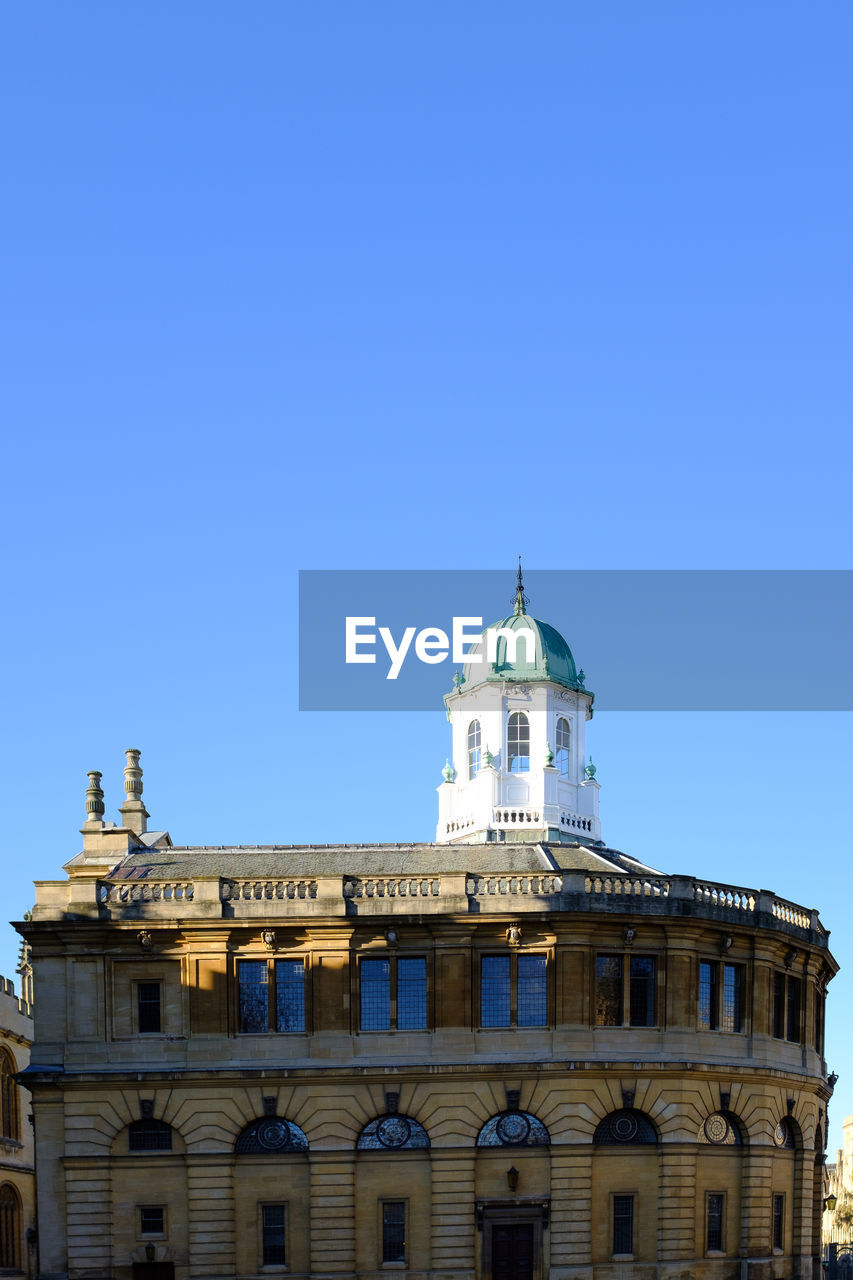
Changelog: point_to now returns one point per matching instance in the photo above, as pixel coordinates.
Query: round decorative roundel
(513, 1128)
(624, 1128)
(273, 1134)
(716, 1128)
(780, 1137)
(394, 1131)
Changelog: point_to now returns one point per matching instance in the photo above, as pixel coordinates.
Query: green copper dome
(552, 659)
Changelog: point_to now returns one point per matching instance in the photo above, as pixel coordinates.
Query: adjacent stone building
(17, 1176)
(512, 1054)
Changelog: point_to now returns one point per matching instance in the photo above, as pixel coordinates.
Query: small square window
(152, 1220)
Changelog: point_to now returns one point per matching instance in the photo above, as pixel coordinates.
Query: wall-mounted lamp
(512, 1178)
(150, 1251)
(830, 1202)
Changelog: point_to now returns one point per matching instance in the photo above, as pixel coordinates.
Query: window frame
(150, 983)
(631, 1198)
(716, 1004)
(393, 958)
(514, 957)
(777, 1222)
(142, 1234)
(786, 985)
(474, 748)
(721, 1247)
(10, 1099)
(262, 1227)
(392, 1263)
(521, 739)
(563, 752)
(272, 984)
(627, 989)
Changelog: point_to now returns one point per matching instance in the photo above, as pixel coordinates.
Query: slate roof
(276, 861)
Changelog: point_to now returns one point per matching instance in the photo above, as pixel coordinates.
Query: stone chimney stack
(134, 814)
(94, 800)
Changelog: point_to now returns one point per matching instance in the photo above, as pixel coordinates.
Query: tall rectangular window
(495, 991)
(731, 1014)
(714, 1222)
(532, 991)
(792, 1010)
(623, 1224)
(620, 1004)
(778, 1222)
(411, 993)
(786, 1007)
(641, 1009)
(393, 1231)
(272, 1235)
(253, 981)
(608, 991)
(271, 994)
(375, 976)
(148, 1006)
(720, 996)
(393, 993)
(290, 995)
(819, 1015)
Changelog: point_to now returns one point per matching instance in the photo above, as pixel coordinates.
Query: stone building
(17, 1175)
(512, 1054)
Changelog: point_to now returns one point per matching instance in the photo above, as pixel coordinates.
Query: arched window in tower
(10, 1227)
(563, 743)
(518, 743)
(10, 1124)
(474, 749)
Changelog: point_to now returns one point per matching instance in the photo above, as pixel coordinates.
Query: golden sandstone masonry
(515, 1053)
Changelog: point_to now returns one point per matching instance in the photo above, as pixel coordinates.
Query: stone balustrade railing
(402, 887)
(267, 890)
(627, 892)
(480, 886)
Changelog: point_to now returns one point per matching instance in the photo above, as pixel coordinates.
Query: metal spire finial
(521, 601)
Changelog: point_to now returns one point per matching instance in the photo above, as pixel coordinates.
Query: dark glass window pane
(715, 1223)
(532, 991)
(272, 1234)
(148, 1006)
(608, 991)
(623, 1224)
(732, 1019)
(375, 994)
(793, 1010)
(254, 995)
(563, 744)
(778, 1221)
(642, 993)
(289, 995)
(151, 1220)
(707, 996)
(494, 991)
(394, 1231)
(474, 751)
(779, 1006)
(819, 1014)
(149, 1135)
(518, 743)
(411, 993)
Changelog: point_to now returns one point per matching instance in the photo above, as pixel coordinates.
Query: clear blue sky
(299, 286)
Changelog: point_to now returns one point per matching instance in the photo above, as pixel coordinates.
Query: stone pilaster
(210, 1216)
(571, 1210)
(87, 1202)
(453, 1214)
(676, 1206)
(332, 1213)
